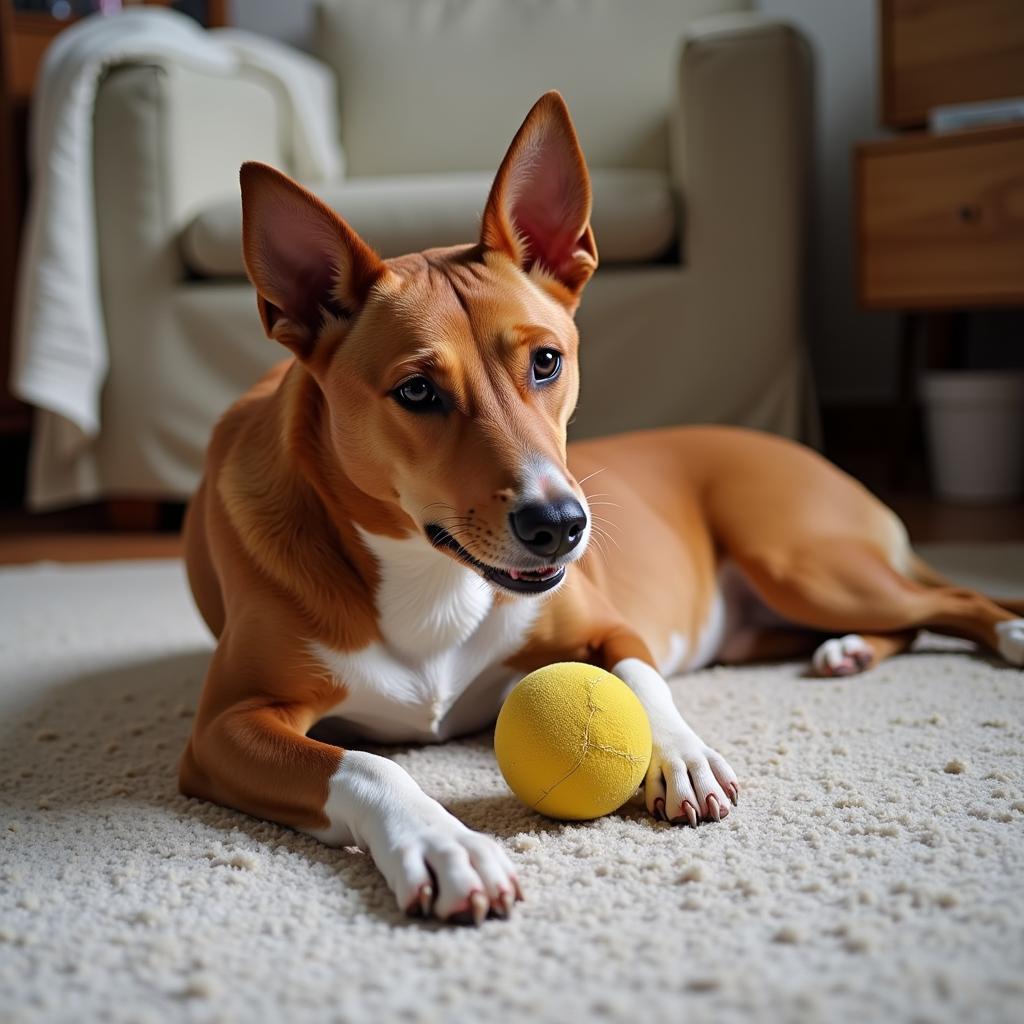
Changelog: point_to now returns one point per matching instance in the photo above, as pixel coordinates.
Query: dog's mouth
(520, 581)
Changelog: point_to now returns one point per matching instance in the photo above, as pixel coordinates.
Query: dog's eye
(547, 364)
(418, 395)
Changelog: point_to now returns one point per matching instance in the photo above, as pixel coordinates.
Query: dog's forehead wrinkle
(427, 321)
(464, 296)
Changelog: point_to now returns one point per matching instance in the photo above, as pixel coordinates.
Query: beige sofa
(694, 115)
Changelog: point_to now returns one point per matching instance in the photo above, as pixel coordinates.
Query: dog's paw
(443, 869)
(688, 782)
(1010, 636)
(435, 865)
(843, 656)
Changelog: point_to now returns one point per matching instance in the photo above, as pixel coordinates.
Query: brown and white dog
(391, 531)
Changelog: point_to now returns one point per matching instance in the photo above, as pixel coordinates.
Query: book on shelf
(960, 117)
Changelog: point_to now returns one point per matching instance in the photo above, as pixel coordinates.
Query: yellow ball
(573, 741)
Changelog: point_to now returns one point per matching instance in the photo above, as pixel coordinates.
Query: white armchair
(694, 116)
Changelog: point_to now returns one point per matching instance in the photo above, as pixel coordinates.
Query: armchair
(695, 118)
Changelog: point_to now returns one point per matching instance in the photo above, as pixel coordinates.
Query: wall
(853, 352)
(288, 20)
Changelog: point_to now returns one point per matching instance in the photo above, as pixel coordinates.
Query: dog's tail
(922, 572)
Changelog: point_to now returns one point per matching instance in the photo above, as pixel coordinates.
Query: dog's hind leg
(831, 656)
(847, 586)
(857, 652)
(921, 571)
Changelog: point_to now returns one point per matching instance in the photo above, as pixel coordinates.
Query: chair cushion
(635, 218)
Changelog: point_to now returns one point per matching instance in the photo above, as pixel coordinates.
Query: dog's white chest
(439, 670)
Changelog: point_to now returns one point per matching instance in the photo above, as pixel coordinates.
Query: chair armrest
(214, 123)
(740, 135)
(181, 134)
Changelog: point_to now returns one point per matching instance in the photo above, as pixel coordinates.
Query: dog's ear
(303, 259)
(538, 212)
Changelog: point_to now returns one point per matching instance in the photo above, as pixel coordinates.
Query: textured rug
(874, 869)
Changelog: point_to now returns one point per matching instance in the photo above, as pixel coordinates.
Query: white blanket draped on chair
(60, 346)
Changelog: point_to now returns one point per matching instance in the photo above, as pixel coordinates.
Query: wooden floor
(86, 547)
(82, 534)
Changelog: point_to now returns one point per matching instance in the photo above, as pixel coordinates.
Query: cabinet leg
(133, 516)
(911, 325)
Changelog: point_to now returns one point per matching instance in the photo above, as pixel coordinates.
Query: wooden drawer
(940, 220)
(937, 52)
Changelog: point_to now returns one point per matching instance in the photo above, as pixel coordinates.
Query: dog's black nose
(550, 530)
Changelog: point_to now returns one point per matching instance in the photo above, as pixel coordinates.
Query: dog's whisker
(456, 532)
(604, 526)
(452, 524)
(598, 499)
(435, 504)
(596, 548)
(590, 476)
(606, 536)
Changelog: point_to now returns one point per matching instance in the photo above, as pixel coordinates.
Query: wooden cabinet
(940, 217)
(938, 52)
(940, 220)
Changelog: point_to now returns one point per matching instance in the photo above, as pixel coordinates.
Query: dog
(391, 530)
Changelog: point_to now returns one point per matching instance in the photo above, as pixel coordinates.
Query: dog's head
(449, 376)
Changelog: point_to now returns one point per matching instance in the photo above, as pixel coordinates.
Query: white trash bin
(975, 430)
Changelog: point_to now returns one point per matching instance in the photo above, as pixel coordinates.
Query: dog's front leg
(687, 780)
(255, 756)
(431, 861)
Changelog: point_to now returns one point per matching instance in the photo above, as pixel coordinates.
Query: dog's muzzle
(519, 581)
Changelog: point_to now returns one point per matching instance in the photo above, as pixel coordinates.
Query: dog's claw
(691, 813)
(506, 901)
(659, 810)
(426, 899)
(479, 907)
(734, 793)
(714, 810)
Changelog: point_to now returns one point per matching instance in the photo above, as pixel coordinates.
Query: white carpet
(873, 871)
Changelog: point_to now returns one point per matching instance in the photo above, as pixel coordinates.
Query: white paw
(843, 656)
(1010, 635)
(435, 865)
(443, 869)
(687, 781)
